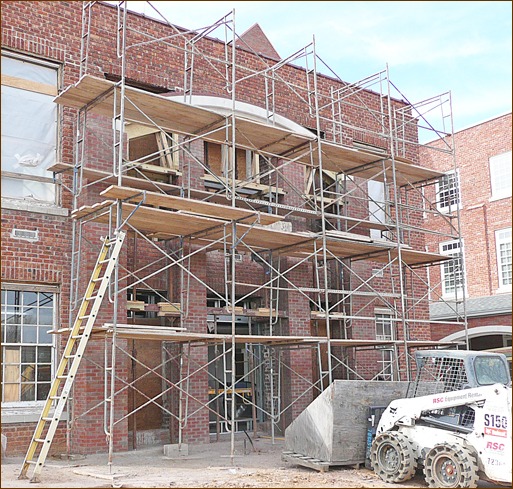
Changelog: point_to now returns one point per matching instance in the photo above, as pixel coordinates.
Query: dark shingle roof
(477, 306)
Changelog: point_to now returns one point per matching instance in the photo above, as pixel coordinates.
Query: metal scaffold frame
(182, 222)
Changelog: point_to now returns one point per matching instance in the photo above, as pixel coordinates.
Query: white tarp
(29, 124)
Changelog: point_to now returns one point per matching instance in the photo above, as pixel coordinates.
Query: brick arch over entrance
(479, 334)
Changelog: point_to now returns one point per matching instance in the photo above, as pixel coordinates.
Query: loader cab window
(491, 370)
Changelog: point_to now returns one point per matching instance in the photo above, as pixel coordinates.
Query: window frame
(498, 241)
(380, 316)
(43, 89)
(494, 178)
(32, 288)
(386, 369)
(461, 290)
(447, 209)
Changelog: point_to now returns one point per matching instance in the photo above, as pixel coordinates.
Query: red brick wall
(480, 216)
(25, 28)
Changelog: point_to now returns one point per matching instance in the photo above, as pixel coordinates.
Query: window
(386, 367)
(218, 158)
(29, 129)
(448, 192)
(253, 175)
(503, 243)
(27, 347)
(500, 175)
(490, 370)
(384, 326)
(377, 205)
(452, 270)
(152, 153)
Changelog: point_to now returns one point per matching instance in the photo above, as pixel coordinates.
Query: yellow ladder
(88, 311)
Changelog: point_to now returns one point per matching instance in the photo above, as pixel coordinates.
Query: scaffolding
(326, 212)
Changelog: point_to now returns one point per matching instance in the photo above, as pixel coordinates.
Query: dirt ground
(204, 466)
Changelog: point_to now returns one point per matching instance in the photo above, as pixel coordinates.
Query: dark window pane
(27, 392)
(28, 372)
(42, 391)
(13, 333)
(30, 334)
(44, 373)
(28, 354)
(30, 299)
(44, 354)
(45, 316)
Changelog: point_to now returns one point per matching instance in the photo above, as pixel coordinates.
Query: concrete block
(176, 450)
(333, 428)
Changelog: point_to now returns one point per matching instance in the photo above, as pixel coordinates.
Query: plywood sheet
(368, 165)
(176, 116)
(169, 114)
(167, 224)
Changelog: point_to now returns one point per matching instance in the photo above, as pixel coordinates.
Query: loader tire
(450, 466)
(392, 457)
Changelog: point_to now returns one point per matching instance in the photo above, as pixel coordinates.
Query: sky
(430, 47)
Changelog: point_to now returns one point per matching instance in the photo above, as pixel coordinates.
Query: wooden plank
(305, 461)
(139, 183)
(167, 223)
(260, 187)
(87, 210)
(30, 85)
(164, 170)
(175, 116)
(135, 305)
(191, 205)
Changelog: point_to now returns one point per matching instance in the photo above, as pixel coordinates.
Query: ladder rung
(92, 298)
(31, 462)
(104, 261)
(39, 440)
(47, 419)
(61, 377)
(84, 317)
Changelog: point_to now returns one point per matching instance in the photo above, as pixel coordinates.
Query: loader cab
(452, 370)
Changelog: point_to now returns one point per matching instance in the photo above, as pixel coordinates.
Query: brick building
(478, 184)
(270, 219)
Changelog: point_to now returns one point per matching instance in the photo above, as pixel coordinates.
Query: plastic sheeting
(29, 132)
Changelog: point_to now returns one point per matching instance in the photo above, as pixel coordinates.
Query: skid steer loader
(459, 433)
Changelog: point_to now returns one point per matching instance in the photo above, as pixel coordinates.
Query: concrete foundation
(176, 450)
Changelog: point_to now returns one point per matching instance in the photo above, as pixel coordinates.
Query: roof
(255, 39)
(475, 306)
(456, 354)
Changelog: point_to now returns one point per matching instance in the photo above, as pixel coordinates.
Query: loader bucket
(333, 428)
